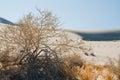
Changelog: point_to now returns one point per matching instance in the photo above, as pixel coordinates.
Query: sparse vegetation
(36, 49)
(33, 49)
(76, 68)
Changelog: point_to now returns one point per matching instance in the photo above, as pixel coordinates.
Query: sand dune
(104, 45)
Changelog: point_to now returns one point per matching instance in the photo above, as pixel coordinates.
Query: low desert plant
(115, 66)
(77, 69)
(71, 64)
(38, 44)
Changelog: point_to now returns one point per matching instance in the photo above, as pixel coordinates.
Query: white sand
(103, 50)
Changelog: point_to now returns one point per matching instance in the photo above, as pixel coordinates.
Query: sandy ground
(105, 48)
(103, 51)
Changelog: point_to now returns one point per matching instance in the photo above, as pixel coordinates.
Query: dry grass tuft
(71, 65)
(115, 67)
(76, 69)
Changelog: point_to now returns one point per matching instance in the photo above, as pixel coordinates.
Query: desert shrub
(74, 60)
(76, 68)
(70, 63)
(38, 45)
(40, 68)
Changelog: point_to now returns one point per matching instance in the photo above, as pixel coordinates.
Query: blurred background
(73, 14)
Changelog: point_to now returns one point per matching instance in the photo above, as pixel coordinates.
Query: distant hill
(102, 35)
(4, 21)
(96, 35)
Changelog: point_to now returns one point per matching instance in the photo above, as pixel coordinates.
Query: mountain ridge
(5, 21)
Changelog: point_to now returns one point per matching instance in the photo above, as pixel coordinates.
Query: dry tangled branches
(36, 49)
(32, 49)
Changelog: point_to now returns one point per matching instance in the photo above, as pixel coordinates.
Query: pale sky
(73, 14)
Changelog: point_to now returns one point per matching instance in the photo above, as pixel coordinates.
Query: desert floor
(103, 50)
